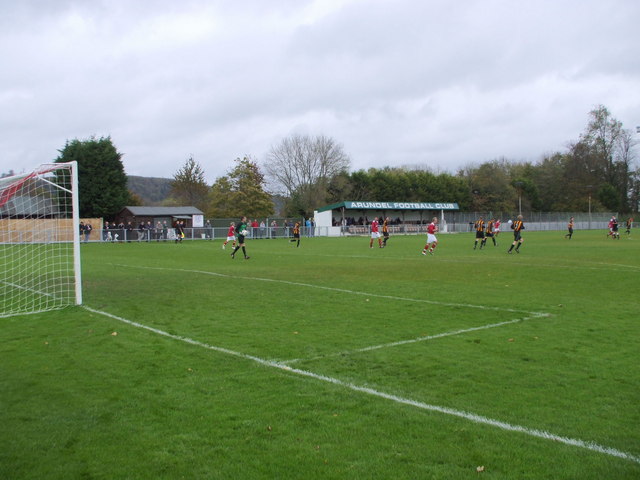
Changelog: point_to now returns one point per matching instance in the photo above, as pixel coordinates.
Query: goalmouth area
(39, 240)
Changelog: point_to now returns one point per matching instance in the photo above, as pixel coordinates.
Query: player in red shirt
(613, 228)
(375, 233)
(432, 241)
(496, 228)
(231, 236)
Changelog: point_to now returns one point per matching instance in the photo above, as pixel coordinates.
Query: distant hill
(152, 190)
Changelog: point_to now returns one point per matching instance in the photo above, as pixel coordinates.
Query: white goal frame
(40, 267)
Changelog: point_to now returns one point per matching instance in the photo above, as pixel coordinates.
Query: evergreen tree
(189, 187)
(102, 183)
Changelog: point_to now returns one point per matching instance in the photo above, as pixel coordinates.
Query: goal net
(39, 240)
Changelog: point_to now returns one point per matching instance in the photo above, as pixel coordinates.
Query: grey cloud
(396, 83)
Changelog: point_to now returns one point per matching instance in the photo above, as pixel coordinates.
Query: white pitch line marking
(39, 292)
(474, 259)
(341, 290)
(413, 340)
(592, 446)
(433, 302)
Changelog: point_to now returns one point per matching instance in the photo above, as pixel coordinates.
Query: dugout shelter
(351, 217)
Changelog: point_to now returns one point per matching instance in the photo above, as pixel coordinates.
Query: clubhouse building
(354, 217)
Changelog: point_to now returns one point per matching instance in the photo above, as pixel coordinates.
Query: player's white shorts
(431, 238)
(375, 234)
(496, 231)
(231, 239)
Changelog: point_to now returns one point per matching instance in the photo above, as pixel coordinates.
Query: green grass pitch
(333, 361)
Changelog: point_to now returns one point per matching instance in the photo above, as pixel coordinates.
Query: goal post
(40, 266)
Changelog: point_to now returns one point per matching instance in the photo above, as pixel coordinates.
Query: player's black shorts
(479, 234)
(240, 239)
(516, 236)
(296, 235)
(489, 234)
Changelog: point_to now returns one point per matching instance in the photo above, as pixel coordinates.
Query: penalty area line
(479, 419)
(412, 340)
(342, 290)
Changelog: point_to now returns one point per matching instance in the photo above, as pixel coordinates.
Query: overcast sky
(396, 82)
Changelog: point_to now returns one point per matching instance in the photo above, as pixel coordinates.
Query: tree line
(597, 171)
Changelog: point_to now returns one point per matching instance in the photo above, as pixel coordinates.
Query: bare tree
(302, 167)
(607, 149)
(630, 181)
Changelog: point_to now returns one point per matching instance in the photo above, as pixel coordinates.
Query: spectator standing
(106, 234)
(129, 231)
(121, 231)
(140, 231)
(165, 231)
(87, 232)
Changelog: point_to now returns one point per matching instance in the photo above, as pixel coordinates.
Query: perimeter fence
(454, 222)
(534, 221)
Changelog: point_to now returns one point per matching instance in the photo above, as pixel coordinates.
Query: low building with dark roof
(191, 216)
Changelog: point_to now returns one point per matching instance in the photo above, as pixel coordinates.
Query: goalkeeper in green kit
(241, 231)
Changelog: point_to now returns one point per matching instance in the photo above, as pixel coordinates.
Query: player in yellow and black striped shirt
(488, 233)
(479, 227)
(570, 228)
(296, 234)
(517, 228)
(385, 232)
